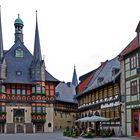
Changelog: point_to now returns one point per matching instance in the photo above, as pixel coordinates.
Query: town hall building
(27, 89)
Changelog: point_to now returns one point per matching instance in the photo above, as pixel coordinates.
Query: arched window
(19, 53)
(49, 125)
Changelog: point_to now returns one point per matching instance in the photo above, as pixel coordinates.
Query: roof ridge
(101, 66)
(124, 51)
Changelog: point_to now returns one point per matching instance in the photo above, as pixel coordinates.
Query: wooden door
(136, 123)
(20, 129)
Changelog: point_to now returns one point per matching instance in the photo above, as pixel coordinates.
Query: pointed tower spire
(37, 65)
(37, 50)
(74, 78)
(2, 59)
(1, 40)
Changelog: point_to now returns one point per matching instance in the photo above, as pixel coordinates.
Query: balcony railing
(23, 98)
(19, 119)
(38, 118)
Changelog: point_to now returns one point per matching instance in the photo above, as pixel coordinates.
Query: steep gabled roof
(104, 72)
(83, 84)
(15, 64)
(87, 80)
(85, 76)
(19, 60)
(133, 45)
(95, 76)
(50, 78)
(65, 92)
(21, 64)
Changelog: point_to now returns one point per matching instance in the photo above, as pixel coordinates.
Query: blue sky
(80, 32)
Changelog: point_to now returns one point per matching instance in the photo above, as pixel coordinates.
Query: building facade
(98, 94)
(130, 69)
(65, 109)
(27, 90)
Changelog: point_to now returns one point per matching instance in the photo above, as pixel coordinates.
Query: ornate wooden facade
(20, 94)
(99, 94)
(27, 89)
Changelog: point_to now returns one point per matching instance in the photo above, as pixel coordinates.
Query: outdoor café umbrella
(98, 119)
(92, 119)
(85, 119)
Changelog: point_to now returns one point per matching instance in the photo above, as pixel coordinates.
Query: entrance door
(39, 127)
(20, 129)
(136, 123)
(97, 128)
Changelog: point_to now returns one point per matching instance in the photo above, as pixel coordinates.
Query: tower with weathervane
(26, 87)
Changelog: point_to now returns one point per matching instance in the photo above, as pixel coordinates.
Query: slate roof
(15, 64)
(74, 78)
(95, 76)
(18, 68)
(65, 92)
(21, 64)
(50, 78)
(88, 78)
(105, 73)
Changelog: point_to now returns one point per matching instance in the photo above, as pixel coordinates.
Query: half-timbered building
(130, 83)
(26, 88)
(98, 94)
(65, 109)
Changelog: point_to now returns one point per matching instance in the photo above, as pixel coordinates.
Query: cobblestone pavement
(52, 136)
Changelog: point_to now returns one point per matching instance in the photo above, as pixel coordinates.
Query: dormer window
(115, 71)
(19, 53)
(18, 73)
(100, 79)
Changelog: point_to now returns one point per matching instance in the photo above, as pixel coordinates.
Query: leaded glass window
(38, 89)
(19, 53)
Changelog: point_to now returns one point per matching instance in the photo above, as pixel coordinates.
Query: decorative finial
(74, 66)
(18, 15)
(36, 12)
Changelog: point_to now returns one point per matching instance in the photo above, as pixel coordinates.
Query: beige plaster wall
(9, 110)
(63, 119)
(49, 119)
